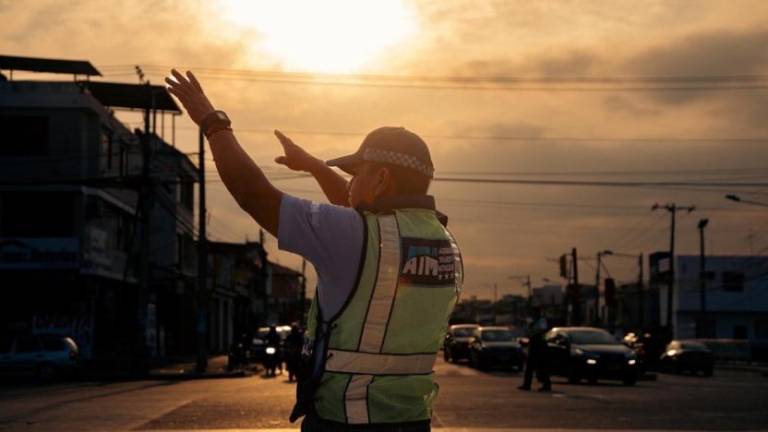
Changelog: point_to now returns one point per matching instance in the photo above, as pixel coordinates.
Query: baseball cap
(393, 145)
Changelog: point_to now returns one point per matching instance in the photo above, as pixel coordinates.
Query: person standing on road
(537, 354)
(389, 272)
(293, 344)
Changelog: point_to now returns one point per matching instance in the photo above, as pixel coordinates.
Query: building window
(37, 214)
(706, 328)
(105, 148)
(733, 281)
(761, 328)
(179, 250)
(740, 332)
(24, 135)
(187, 193)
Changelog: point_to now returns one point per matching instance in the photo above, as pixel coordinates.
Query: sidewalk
(217, 368)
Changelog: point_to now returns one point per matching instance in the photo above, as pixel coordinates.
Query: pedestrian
(293, 343)
(537, 360)
(389, 272)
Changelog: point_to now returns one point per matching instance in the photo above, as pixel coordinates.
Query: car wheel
(446, 356)
(708, 372)
(630, 381)
(592, 380)
(473, 359)
(573, 378)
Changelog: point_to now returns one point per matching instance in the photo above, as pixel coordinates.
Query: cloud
(706, 53)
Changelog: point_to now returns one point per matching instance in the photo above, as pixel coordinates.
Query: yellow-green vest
(381, 347)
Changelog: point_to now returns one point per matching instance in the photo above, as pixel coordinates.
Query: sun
(325, 36)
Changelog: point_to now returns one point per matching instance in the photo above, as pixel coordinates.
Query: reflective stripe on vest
(356, 398)
(379, 364)
(377, 318)
(386, 284)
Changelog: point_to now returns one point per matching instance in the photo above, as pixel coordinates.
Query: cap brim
(349, 164)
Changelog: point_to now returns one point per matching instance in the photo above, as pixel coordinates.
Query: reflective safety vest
(377, 353)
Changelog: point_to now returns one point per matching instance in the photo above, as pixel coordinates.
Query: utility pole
(303, 296)
(640, 294)
(602, 305)
(141, 352)
(202, 265)
(576, 314)
(672, 209)
(702, 275)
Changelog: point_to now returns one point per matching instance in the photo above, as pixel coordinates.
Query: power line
(587, 84)
(458, 78)
(508, 137)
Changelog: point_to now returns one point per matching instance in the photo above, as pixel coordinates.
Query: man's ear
(383, 181)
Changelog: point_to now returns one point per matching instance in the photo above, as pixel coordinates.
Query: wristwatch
(214, 122)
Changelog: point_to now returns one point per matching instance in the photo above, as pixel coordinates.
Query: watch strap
(212, 119)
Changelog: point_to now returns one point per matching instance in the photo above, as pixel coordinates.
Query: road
(469, 400)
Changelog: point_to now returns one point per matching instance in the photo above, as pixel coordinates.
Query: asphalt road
(469, 400)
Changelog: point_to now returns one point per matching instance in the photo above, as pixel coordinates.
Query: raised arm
(296, 158)
(240, 174)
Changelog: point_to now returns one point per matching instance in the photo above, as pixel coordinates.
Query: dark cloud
(710, 53)
(565, 64)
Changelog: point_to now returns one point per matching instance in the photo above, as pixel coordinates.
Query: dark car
(687, 355)
(44, 356)
(456, 345)
(590, 353)
(496, 347)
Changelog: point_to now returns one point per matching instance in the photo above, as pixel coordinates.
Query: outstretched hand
(189, 92)
(296, 158)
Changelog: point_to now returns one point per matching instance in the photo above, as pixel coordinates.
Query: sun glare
(334, 36)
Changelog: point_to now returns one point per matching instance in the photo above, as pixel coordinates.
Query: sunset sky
(266, 65)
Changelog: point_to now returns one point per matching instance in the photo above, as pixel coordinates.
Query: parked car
(456, 344)
(687, 355)
(44, 356)
(496, 347)
(590, 353)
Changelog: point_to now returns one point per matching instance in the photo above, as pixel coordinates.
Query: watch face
(221, 116)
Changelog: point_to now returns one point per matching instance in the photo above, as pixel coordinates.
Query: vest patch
(427, 262)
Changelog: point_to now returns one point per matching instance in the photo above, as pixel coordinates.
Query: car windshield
(497, 335)
(694, 346)
(463, 331)
(592, 337)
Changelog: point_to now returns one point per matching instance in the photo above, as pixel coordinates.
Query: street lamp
(738, 199)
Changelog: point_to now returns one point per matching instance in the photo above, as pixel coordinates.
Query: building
(551, 300)
(237, 293)
(285, 292)
(96, 233)
(732, 301)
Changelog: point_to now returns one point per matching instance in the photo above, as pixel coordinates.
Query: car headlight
(271, 350)
(671, 353)
(591, 361)
(631, 362)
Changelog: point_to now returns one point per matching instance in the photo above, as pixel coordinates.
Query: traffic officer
(537, 354)
(389, 272)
